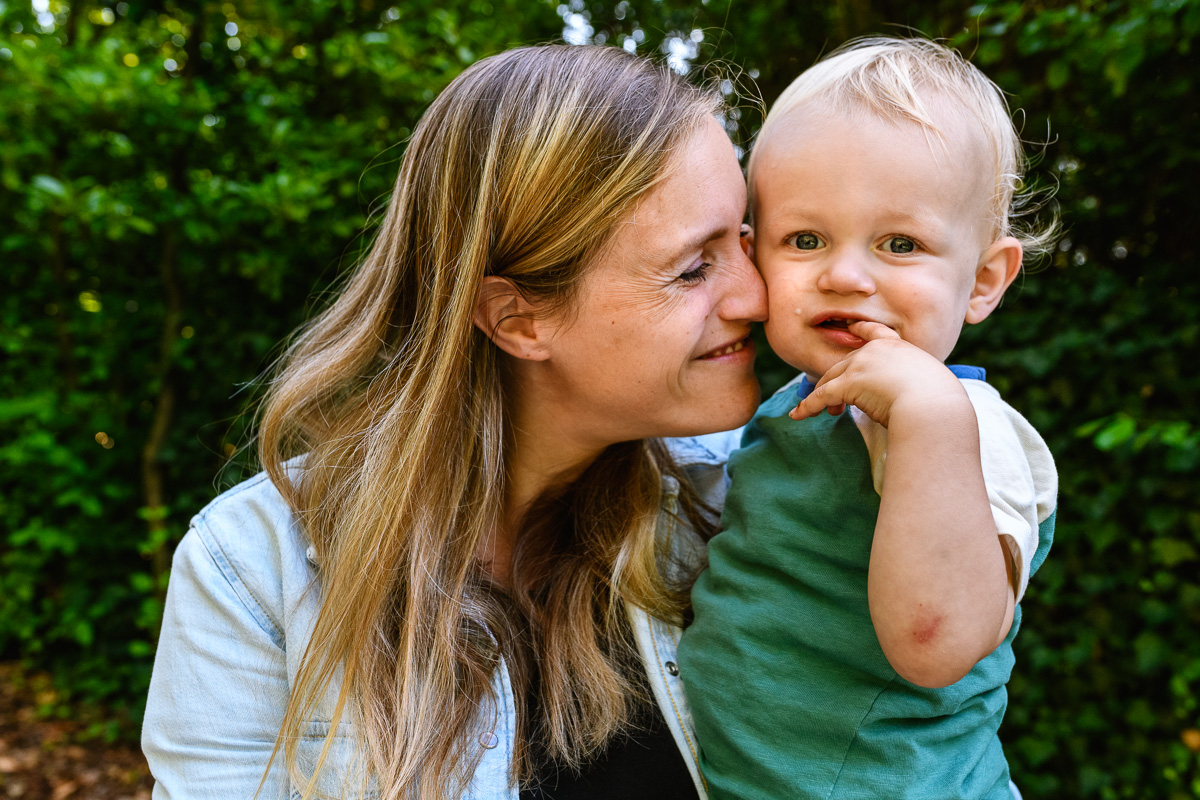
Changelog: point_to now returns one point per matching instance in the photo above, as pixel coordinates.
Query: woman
(462, 570)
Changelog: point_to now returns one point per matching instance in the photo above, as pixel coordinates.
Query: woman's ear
(998, 268)
(510, 320)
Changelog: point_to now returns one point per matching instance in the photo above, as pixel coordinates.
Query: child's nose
(846, 274)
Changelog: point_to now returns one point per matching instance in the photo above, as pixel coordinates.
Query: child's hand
(884, 372)
(938, 585)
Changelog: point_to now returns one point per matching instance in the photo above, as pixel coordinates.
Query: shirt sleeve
(219, 686)
(1019, 473)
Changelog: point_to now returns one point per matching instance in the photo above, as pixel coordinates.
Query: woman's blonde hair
(521, 168)
(898, 79)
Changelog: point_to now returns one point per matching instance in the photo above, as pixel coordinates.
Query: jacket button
(672, 668)
(489, 740)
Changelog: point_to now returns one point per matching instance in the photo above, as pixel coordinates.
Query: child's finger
(813, 405)
(864, 329)
(801, 411)
(826, 396)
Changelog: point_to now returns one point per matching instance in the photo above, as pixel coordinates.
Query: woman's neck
(542, 456)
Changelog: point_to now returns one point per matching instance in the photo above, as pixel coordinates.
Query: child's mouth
(838, 332)
(837, 323)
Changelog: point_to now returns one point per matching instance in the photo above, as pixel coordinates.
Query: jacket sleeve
(219, 686)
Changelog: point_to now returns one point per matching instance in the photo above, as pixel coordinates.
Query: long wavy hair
(521, 168)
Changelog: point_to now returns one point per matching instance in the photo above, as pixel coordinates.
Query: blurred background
(183, 182)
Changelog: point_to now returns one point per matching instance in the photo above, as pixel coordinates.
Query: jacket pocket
(343, 773)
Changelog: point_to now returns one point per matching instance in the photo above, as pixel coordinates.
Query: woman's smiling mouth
(728, 349)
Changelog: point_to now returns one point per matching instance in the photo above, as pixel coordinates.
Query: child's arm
(939, 579)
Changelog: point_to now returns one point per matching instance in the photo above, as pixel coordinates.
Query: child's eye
(899, 244)
(804, 241)
(696, 274)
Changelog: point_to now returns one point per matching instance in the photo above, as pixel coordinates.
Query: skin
(876, 245)
(658, 344)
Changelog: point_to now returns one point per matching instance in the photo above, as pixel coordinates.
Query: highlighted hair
(522, 167)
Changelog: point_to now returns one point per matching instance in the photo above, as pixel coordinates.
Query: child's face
(857, 217)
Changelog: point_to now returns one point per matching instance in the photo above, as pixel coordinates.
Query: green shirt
(791, 693)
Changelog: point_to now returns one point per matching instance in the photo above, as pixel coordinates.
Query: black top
(642, 764)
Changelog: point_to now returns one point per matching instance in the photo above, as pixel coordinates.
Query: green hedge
(182, 183)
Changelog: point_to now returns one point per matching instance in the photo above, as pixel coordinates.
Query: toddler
(853, 633)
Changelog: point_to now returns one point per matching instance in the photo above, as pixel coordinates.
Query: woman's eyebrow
(692, 244)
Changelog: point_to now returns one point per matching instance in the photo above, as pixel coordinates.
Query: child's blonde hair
(894, 79)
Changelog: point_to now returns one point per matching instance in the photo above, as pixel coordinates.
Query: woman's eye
(696, 273)
(806, 241)
(899, 244)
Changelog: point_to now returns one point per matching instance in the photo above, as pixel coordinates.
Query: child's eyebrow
(914, 217)
(904, 217)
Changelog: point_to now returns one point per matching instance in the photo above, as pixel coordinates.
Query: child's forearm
(938, 586)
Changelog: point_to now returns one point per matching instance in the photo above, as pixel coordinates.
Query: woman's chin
(745, 411)
(739, 406)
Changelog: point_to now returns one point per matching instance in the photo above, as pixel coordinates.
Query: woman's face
(658, 342)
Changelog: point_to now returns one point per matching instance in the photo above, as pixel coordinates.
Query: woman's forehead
(702, 198)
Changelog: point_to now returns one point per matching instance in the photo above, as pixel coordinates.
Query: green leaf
(1150, 651)
(83, 632)
(153, 513)
(49, 185)
(141, 225)
(1172, 552)
(37, 405)
(142, 582)
(1115, 432)
(1058, 73)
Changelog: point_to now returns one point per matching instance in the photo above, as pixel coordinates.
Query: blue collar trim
(960, 371)
(967, 372)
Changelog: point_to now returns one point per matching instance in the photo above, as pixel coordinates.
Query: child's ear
(998, 268)
(510, 320)
(747, 234)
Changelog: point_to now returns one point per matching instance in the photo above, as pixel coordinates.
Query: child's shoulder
(993, 411)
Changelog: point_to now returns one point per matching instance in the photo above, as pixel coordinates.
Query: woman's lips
(731, 349)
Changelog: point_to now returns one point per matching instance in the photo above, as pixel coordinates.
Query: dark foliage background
(183, 181)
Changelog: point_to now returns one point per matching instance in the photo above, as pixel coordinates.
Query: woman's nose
(745, 296)
(846, 274)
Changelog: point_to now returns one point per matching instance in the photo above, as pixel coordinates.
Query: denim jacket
(239, 614)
